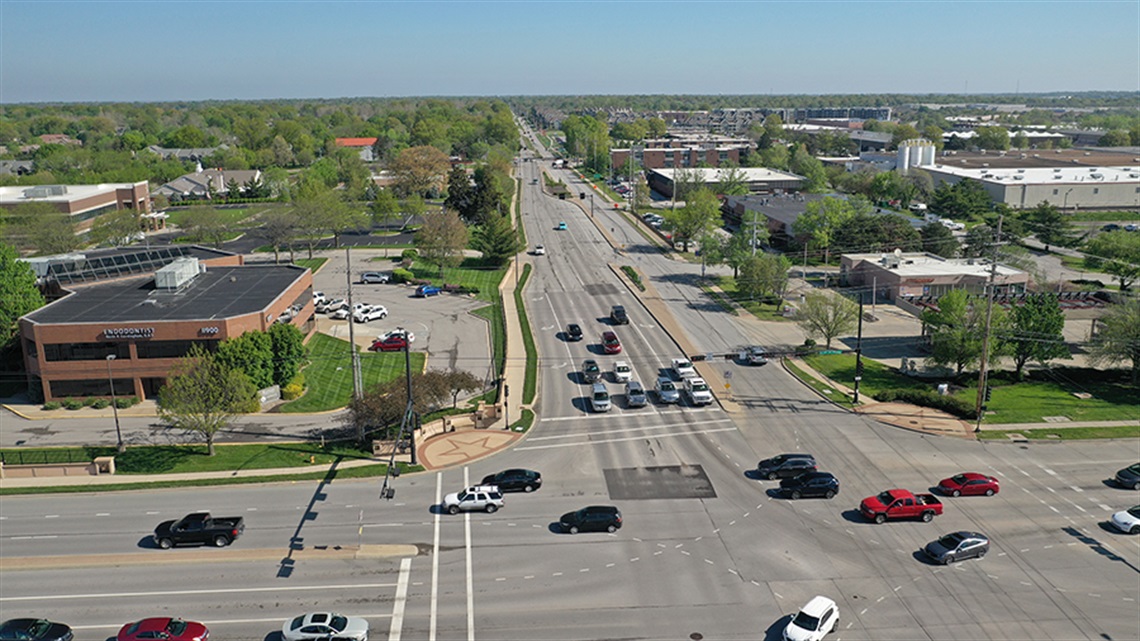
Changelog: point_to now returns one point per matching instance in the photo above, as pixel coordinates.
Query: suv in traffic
(487, 498)
(596, 518)
(698, 391)
(635, 395)
(600, 398)
(786, 465)
(618, 315)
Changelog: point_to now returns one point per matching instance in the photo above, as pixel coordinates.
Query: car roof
(633, 385)
(817, 606)
(609, 334)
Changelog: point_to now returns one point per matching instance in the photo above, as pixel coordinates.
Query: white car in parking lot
(328, 306)
(370, 313)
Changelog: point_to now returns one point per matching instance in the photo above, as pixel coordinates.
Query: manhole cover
(663, 482)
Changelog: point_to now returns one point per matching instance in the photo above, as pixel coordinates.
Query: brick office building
(132, 329)
(83, 203)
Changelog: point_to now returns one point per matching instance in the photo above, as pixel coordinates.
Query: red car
(969, 483)
(610, 343)
(394, 343)
(164, 628)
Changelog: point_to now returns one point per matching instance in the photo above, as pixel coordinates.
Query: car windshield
(621, 368)
(700, 387)
(806, 621)
(684, 364)
(338, 622)
(668, 386)
(885, 498)
(1134, 468)
(1135, 511)
(950, 541)
(176, 627)
(463, 496)
(601, 396)
(959, 479)
(591, 367)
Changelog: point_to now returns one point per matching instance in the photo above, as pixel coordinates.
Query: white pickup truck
(683, 367)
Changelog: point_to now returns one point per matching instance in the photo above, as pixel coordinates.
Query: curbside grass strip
(530, 382)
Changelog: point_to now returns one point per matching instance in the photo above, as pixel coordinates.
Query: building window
(172, 349)
(54, 352)
(92, 387)
(1055, 191)
(1096, 190)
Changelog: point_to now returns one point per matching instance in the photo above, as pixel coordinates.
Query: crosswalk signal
(989, 390)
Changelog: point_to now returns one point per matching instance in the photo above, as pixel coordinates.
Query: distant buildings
(83, 203)
(915, 274)
(758, 179)
(363, 145)
(684, 151)
(206, 183)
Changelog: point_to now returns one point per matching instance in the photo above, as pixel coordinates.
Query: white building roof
(18, 195)
(749, 174)
(1044, 175)
(921, 264)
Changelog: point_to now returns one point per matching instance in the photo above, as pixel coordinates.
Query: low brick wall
(48, 469)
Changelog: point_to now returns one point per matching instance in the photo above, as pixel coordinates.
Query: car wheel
(796, 495)
(772, 476)
(383, 316)
(1135, 529)
(611, 528)
(982, 554)
(1136, 485)
(491, 508)
(454, 509)
(947, 560)
(573, 529)
(528, 488)
(927, 517)
(990, 492)
(880, 518)
(830, 494)
(956, 493)
(221, 541)
(165, 544)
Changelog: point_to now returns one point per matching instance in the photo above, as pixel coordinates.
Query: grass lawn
(313, 264)
(494, 316)
(1072, 262)
(876, 376)
(1064, 433)
(328, 377)
(173, 459)
(182, 217)
(530, 382)
(472, 272)
(762, 311)
(821, 387)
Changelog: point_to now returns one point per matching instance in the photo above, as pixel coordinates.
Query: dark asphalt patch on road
(662, 482)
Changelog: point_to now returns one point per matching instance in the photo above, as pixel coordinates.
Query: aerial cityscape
(329, 321)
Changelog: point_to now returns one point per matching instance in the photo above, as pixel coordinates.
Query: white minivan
(600, 398)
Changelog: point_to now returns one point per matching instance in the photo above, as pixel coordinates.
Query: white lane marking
(153, 512)
(253, 509)
(470, 579)
(556, 574)
(31, 537)
(1049, 471)
(778, 595)
(1075, 488)
(120, 595)
(625, 430)
(116, 626)
(1104, 507)
(397, 625)
(620, 440)
(103, 514)
(435, 558)
(382, 524)
(51, 516)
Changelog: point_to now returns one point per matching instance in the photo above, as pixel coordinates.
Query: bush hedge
(73, 404)
(101, 403)
(52, 405)
(929, 398)
(401, 275)
(409, 255)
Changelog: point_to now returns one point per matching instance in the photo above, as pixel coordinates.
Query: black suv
(1129, 477)
(515, 480)
(596, 518)
(591, 373)
(810, 484)
(618, 316)
(573, 332)
(786, 465)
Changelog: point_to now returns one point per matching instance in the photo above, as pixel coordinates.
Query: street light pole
(115, 405)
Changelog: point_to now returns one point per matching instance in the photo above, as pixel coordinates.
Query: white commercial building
(1069, 188)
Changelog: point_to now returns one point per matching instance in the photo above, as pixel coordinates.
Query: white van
(600, 398)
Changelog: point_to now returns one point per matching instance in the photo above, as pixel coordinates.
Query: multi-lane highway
(706, 551)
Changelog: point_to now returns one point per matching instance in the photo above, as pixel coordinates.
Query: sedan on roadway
(390, 344)
(610, 343)
(957, 546)
(591, 373)
(810, 484)
(969, 484)
(1129, 477)
(574, 332)
(164, 629)
(785, 465)
(35, 630)
(517, 480)
(1127, 521)
(320, 626)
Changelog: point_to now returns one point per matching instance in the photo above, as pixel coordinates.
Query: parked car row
(314, 626)
(339, 309)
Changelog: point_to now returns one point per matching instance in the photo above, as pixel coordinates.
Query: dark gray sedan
(957, 546)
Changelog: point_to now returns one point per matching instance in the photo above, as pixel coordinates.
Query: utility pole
(357, 381)
(753, 223)
(859, 350)
(983, 382)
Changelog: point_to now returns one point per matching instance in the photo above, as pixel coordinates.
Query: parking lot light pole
(115, 405)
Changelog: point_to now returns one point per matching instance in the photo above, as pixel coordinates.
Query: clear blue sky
(194, 50)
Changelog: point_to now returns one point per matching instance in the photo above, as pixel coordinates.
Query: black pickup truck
(199, 528)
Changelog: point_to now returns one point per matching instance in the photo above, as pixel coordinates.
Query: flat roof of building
(1043, 175)
(1025, 159)
(750, 174)
(217, 293)
(923, 264)
(17, 195)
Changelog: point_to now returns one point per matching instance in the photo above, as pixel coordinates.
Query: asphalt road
(706, 551)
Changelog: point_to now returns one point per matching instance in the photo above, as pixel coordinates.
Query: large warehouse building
(758, 179)
(128, 316)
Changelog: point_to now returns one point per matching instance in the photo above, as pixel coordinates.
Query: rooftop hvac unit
(1021, 171)
(176, 274)
(1019, 177)
(1057, 170)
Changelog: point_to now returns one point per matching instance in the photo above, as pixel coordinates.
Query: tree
(821, 220)
(280, 227)
(1050, 225)
(202, 395)
(775, 157)
(701, 214)
(459, 381)
(252, 353)
(117, 228)
(381, 408)
(288, 345)
(979, 240)
(685, 182)
(995, 138)
(939, 240)
(730, 180)
(460, 192)
(1118, 339)
(441, 239)
(1035, 332)
(18, 292)
(1019, 140)
(808, 166)
(419, 170)
(384, 207)
(958, 327)
(965, 199)
(1115, 138)
(207, 225)
(1116, 253)
(497, 239)
(39, 225)
(827, 316)
(865, 232)
(414, 207)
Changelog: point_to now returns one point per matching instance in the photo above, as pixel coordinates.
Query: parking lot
(443, 327)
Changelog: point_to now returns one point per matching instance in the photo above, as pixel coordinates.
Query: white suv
(622, 372)
(698, 391)
(479, 497)
(814, 621)
(371, 313)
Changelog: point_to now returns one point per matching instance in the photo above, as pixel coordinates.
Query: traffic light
(989, 390)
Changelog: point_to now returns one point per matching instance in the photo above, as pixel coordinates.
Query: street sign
(832, 351)
(728, 373)
(728, 386)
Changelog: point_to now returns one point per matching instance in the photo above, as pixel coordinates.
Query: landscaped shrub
(125, 402)
(409, 255)
(634, 277)
(52, 405)
(291, 392)
(929, 398)
(73, 404)
(89, 401)
(807, 348)
(401, 275)
(101, 403)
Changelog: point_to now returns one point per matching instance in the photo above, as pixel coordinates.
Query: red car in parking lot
(393, 343)
(969, 484)
(610, 343)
